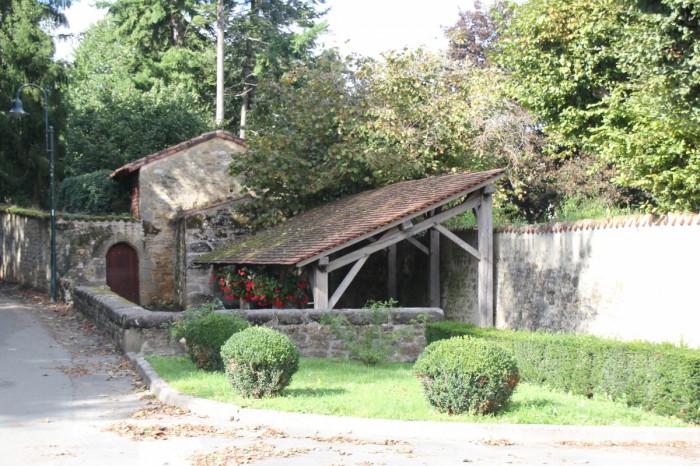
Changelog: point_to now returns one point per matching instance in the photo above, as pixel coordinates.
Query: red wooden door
(123, 271)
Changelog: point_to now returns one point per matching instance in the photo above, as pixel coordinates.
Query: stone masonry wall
(133, 328)
(24, 249)
(627, 278)
(198, 233)
(193, 178)
(313, 339)
(81, 248)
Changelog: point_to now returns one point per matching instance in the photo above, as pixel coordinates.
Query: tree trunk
(220, 32)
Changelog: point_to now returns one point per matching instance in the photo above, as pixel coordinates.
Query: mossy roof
(328, 227)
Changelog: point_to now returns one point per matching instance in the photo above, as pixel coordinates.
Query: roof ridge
(168, 151)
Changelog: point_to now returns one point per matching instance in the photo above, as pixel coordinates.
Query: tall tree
(266, 38)
(118, 116)
(619, 79)
(372, 123)
(26, 55)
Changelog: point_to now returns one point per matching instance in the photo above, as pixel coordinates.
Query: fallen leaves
(245, 455)
(162, 432)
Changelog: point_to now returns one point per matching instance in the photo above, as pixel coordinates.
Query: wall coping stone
(123, 312)
(402, 316)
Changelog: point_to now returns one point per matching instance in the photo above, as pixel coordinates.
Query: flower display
(254, 285)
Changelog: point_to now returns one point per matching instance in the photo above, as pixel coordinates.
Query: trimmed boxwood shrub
(204, 337)
(465, 374)
(659, 377)
(260, 361)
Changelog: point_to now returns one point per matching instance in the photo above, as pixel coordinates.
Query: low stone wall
(316, 340)
(133, 328)
(140, 331)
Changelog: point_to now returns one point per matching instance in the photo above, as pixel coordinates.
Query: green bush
(94, 194)
(205, 331)
(465, 374)
(204, 338)
(657, 377)
(260, 361)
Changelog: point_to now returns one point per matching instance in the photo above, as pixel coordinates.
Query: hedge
(659, 377)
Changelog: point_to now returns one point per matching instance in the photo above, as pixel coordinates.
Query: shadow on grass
(314, 392)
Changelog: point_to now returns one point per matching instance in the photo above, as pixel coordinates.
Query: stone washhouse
(340, 236)
(182, 198)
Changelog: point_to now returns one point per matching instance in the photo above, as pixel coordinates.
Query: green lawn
(390, 391)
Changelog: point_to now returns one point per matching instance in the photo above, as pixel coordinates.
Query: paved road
(68, 398)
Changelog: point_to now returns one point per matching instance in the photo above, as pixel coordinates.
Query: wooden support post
(434, 270)
(319, 283)
(346, 282)
(392, 289)
(484, 218)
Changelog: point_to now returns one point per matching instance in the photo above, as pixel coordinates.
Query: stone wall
(81, 248)
(137, 330)
(170, 187)
(627, 278)
(316, 340)
(24, 249)
(133, 328)
(200, 232)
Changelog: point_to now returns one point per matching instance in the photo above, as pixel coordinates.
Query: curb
(316, 424)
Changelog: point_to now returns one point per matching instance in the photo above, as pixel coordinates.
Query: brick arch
(122, 271)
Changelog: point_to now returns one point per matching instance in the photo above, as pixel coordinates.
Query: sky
(366, 27)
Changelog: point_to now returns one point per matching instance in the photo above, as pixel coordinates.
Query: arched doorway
(123, 271)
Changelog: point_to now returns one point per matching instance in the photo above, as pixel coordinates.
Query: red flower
(278, 302)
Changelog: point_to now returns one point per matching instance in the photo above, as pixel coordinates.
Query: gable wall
(195, 177)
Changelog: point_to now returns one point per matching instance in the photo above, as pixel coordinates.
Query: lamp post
(18, 112)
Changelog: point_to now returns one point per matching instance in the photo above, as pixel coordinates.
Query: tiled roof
(331, 225)
(137, 164)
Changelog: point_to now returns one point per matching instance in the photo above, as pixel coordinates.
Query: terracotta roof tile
(331, 225)
(137, 164)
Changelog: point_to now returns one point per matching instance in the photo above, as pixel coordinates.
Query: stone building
(182, 197)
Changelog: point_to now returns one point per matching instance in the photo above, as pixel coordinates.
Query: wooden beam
(319, 284)
(474, 190)
(396, 237)
(434, 270)
(421, 247)
(458, 241)
(346, 282)
(484, 220)
(391, 288)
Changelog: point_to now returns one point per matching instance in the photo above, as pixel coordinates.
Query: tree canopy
(414, 114)
(617, 79)
(26, 56)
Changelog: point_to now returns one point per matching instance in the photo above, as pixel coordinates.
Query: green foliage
(264, 39)
(467, 375)
(26, 56)
(93, 194)
(368, 341)
(412, 115)
(191, 316)
(618, 79)
(658, 377)
(204, 338)
(260, 361)
(578, 207)
(205, 331)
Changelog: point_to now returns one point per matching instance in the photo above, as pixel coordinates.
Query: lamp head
(17, 111)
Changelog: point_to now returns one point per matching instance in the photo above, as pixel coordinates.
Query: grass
(390, 391)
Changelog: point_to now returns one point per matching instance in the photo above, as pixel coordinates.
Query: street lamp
(18, 112)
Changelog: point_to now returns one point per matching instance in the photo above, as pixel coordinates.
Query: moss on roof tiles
(341, 221)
